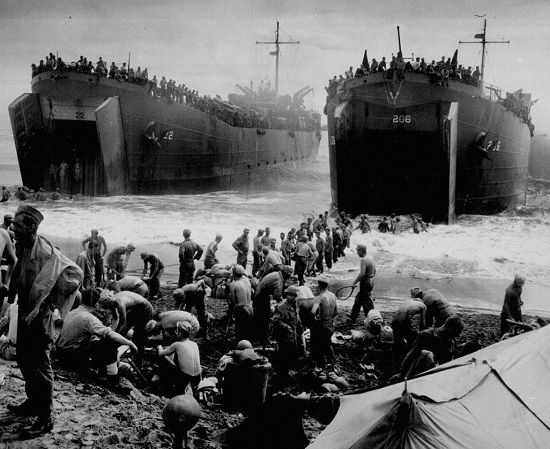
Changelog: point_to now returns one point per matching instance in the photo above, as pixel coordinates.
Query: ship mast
(399, 40)
(276, 53)
(483, 42)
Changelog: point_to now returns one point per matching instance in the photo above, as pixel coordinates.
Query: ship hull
(125, 141)
(413, 147)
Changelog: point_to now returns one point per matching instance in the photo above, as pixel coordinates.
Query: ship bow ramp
(395, 159)
(72, 145)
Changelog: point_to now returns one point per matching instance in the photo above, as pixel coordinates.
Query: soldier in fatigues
(285, 331)
(43, 279)
(188, 253)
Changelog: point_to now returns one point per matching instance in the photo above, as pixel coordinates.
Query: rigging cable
(492, 70)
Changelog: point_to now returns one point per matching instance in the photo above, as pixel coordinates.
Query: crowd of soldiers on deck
(172, 92)
(438, 72)
(56, 65)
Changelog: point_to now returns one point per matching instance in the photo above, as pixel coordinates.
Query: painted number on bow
(169, 135)
(79, 115)
(401, 119)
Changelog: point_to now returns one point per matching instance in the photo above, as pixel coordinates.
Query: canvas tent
(498, 397)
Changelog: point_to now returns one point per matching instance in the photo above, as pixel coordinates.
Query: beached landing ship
(117, 137)
(408, 141)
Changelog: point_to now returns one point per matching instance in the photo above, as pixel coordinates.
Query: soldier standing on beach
(98, 248)
(241, 246)
(188, 253)
(328, 248)
(5, 195)
(256, 248)
(367, 270)
(43, 279)
(511, 309)
(210, 257)
(240, 305)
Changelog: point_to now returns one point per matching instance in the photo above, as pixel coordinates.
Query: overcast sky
(210, 45)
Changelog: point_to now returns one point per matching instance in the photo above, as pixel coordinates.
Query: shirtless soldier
(324, 310)
(155, 273)
(116, 265)
(365, 278)
(240, 305)
(241, 246)
(135, 311)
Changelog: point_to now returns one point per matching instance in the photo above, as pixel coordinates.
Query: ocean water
(472, 261)
(9, 170)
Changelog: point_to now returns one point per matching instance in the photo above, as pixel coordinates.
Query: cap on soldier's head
(31, 213)
(8, 217)
(244, 344)
(415, 291)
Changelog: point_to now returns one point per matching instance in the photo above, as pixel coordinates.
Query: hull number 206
(401, 119)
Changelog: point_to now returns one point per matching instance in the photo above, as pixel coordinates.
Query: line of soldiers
(82, 65)
(438, 72)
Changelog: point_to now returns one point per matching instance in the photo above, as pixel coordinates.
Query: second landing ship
(427, 138)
